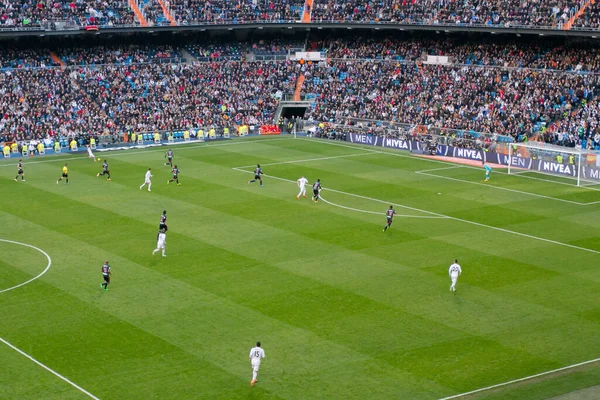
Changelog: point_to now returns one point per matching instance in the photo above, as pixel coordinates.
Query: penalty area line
(466, 221)
(308, 159)
(426, 173)
(374, 212)
(456, 396)
(53, 372)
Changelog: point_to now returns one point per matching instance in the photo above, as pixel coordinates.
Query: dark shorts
(65, 175)
(174, 176)
(316, 192)
(170, 159)
(106, 278)
(20, 172)
(106, 171)
(389, 221)
(257, 177)
(162, 226)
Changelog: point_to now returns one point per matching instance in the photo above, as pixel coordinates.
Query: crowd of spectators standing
(501, 91)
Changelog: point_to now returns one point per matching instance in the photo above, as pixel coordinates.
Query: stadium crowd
(193, 11)
(139, 97)
(124, 89)
(24, 13)
(547, 13)
(532, 54)
(506, 13)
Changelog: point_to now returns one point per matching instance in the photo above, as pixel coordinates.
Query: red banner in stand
(269, 130)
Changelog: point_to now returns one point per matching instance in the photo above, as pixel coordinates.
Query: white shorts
(160, 246)
(147, 183)
(454, 278)
(255, 367)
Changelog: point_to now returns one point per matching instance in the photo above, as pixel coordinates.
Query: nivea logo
(555, 167)
(396, 143)
(468, 153)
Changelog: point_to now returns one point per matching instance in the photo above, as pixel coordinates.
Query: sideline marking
(34, 278)
(374, 212)
(466, 221)
(456, 396)
(501, 188)
(119, 153)
(358, 146)
(82, 390)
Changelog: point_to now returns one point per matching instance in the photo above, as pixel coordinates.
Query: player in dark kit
(163, 222)
(169, 157)
(257, 175)
(175, 172)
(105, 275)
(20, 171)
(105, 170)
(389, 215)
(316, 190)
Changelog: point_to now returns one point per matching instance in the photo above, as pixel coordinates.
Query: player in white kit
(90, 154)
(302, 185)
(147, 180)
(256, 355)
(161, 242)
(454, 271)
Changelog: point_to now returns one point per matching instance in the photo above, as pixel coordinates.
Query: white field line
(309, 159)
(438, 169)
(36, 277)
(456, 396)
(505, 189)
(82, 390)
(541, 239)
(522, 174)
(374, 212)
(398, 154)
(82, 156)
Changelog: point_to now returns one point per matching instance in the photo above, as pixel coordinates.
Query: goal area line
(524, 379)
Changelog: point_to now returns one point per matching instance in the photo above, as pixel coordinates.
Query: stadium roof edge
(7, 34)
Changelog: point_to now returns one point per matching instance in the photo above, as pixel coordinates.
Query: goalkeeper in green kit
(488, 171)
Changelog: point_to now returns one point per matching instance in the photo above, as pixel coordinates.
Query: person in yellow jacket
(57, 147)
(65, 175)
(73, 145)
(6, 150)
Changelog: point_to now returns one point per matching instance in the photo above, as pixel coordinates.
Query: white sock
(149, 186)
(299, 194)
(163, 253)
(154, 252)
(254, 374)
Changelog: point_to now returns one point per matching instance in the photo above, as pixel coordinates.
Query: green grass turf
(344, 310)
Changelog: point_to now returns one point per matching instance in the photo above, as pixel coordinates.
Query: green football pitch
(343, 309)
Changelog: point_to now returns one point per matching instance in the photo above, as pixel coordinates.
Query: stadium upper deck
(551, 14)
